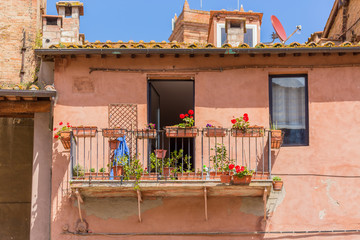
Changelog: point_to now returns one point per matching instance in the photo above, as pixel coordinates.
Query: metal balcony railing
(169, 154)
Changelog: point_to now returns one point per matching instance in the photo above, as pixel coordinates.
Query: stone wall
(17, 17)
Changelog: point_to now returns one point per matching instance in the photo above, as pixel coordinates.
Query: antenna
(238, 5)
(280, 31)
(201, 4)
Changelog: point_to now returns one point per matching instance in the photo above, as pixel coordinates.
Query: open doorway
(167, 100)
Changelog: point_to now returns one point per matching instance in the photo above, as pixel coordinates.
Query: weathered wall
(320, 191)
(16, 148)
(17, 16)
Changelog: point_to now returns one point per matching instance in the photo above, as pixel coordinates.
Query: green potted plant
(117, 165)
(148, 133)
(241, 128)
(212, 131)
(63, 134)
(220, 161)
(186, 129)
(188, 173)
(78, 172)
(277, 183)
(169, 165)
(134, 171)
(242, 175)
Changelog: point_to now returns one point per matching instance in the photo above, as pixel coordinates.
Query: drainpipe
(23, 50)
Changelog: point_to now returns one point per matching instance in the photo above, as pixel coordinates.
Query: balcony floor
(168, 188)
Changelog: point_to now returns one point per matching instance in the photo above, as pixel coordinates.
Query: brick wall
(17, 16)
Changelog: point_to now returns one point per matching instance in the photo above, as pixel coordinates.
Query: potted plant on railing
(78, 172)
(169, 164)
(241, 128)
(277, 183)
(117, 165)
(84, 131)
(226, 174)
(63, 134)
(148, 133)
(134, 171)
(185, 129)
(276, 136)
(212, 131)
(220, 160)
(113, 132)
(187, 173)
(242, 175)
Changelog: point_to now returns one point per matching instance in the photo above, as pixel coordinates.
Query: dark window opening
(68, 11)
(51, 21)
(289, 108)
(235, 25)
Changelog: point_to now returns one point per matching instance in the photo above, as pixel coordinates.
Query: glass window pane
(289, 108)
(248, 37)
(223, 36)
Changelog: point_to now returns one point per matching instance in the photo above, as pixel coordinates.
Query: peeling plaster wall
(318, 196)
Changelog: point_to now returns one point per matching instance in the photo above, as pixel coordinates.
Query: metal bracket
(264, 199)
(205, 199)
(139, 203)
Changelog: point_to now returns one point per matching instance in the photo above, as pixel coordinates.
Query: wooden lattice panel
(124, 116)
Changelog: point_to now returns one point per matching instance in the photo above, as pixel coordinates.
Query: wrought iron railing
(169, 154)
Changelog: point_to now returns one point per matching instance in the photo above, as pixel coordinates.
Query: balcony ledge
(168, 188)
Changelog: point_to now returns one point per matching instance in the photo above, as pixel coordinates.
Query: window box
(146, 134)
(215, 132)
(177, 132)
(252, 131)
(113, 132)
(84, 131)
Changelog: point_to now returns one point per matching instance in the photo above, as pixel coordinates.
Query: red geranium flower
(61, 123)
(246, 118)
(191, 112)
(191, 117)
(182, 116)
(245, 114)
(186, 115)
(56, 136)
(231, 166)
(233, 121)
(242, 168)
(67, 123)
(55, 129)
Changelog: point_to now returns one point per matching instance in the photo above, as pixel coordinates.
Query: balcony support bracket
(79, 201)
(139, 203)
(206, 208)
(264, 199)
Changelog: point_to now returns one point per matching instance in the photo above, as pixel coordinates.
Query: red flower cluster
(239, 169)
(233, 121)
(189, 114)
(231, 166)
(246, 117)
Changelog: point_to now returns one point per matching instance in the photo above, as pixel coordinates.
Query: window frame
(219, 26)
(305, 76)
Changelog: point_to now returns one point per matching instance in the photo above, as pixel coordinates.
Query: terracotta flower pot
(252, 131)
(65, 139)
(160, 153)
(242, 180)
(168, 171)
(149, 177)
(118, 170)
(113, 132)
(146, 134)
(215, 132)
(276, 139)
(114, 144)
(84, 131)
(215, 175)
(225, 178)
(97, 176)
(189, 176)
(277, 185)
(177, 132)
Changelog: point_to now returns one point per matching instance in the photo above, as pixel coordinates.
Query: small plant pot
(146, 134)
(84, 131)
(113, 132)
(149, 177)
(118, 171)
(276, 139)
(97, 176)
(65, 139)
(160, 153)
(225, 178)
(114, 144)
(215, 175)
(168, 171)
(252, 131)
(188, 176)
(176, 132)
(277, 185)
(242, 180)
(215, 132)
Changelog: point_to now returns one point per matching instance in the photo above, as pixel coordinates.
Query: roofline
(226, 51)
(331, 19)
(27, 93)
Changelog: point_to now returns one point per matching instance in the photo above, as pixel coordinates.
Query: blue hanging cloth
(121, 151)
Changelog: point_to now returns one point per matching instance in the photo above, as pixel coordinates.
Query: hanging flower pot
(65, 139)
(84, 131)
(113, 132)
(146, 134)
(214, 132)
(180, 132)
(252, 131)
(276, 139)
(114, 144)
(160, 153)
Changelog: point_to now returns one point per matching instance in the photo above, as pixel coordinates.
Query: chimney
(235, 28)
(65, 27)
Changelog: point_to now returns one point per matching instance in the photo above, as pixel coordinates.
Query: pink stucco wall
(317, 194)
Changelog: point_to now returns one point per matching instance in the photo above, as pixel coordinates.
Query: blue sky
(151, 19)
